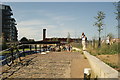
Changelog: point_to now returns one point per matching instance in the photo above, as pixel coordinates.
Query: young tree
(68, 38)
(117, 6)
(99, 23)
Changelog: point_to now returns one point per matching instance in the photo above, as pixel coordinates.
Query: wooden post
(46, 47)
(93, 43)
(12, 55)
(30, 47)
(40, 48)
(35, 47)
(23, 49)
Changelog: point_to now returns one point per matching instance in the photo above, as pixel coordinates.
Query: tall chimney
(44, 34)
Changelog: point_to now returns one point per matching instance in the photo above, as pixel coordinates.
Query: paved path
(54, 65)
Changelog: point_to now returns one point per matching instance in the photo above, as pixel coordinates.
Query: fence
(9, 55)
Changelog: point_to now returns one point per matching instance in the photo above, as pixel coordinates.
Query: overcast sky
(61, 18)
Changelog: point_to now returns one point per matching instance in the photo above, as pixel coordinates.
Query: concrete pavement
(54, 65)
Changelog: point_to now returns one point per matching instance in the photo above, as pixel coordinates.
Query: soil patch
(111, 59)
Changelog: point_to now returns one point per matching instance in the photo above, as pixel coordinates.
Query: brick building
(62, 40)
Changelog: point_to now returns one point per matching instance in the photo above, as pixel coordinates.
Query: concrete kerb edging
(100, 69)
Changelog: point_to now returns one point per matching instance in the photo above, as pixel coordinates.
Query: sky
(59, 0)
(59, 18)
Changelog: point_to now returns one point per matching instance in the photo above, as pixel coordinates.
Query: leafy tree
(99, 23)
(24, 39)
(68, 38)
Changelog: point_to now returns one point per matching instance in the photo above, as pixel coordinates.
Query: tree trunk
(99, 41)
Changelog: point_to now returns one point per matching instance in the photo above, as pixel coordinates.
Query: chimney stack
(44, 34)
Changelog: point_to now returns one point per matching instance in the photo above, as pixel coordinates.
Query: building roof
(41, 42)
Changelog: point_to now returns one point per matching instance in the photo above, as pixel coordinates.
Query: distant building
(31, 40)
(62, 40)
(9, 30)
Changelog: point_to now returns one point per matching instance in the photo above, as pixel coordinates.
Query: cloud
(55, 24)
(35, 23)
(33, 28)
(31, 23)
(64, 18)
(28, 32)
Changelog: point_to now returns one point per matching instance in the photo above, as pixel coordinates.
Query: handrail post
(23, 50)
(35, 47)
(30, 47)
(40, 48)
(11, 49)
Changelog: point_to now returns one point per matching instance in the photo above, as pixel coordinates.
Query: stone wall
(100, 69)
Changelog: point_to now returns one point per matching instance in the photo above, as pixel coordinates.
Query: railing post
(17, 50)
(23, 49)
(35, 47)
(40, 48)
(30, 47)
(12, 54)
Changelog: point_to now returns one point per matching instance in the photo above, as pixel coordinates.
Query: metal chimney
(44, 34)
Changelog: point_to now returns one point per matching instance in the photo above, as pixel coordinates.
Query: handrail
(9, 48)
(13, 54)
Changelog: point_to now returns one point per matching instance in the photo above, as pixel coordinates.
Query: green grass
(6, 52)
(104, 49)
(3, 53)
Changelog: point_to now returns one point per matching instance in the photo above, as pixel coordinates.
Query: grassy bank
(104, 49)
(106, 53)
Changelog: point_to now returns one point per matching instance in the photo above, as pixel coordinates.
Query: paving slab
(54, 65)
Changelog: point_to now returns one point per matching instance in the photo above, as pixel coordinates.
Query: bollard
(87, 73)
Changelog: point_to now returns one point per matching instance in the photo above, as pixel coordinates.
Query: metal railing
(9, 55)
